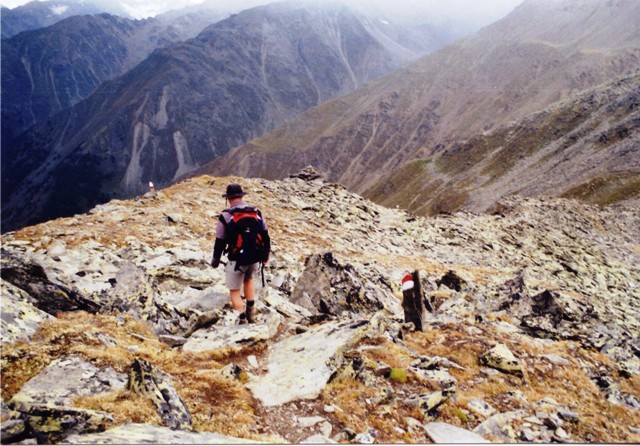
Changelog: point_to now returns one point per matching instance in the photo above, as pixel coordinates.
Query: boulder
(145, 379)
(300, 366)
(19, 317)
(499, 428)
(62, 381)
(448, 433)
(501, 358)
(133, 433)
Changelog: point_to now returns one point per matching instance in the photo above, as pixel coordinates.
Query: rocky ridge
(533, 336)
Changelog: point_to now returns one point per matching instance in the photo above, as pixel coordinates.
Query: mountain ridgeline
(191, 102)
(544, 101)
(40, 14)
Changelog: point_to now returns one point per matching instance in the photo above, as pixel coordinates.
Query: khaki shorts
(234, 278)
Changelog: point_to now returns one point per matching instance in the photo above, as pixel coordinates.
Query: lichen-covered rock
(147, 434)
(428, 401)
(300, 366)
(62, 381)
(52, 424)
(45, 401)
(19, 317)
(501, 358)
(47, 296)
(12, 431)
(147, 380)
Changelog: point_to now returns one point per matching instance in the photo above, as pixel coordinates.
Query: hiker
(243, 235)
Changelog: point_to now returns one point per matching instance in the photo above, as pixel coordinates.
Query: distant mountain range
(47, 70)
(543, 101)
(188, 103)
(39, 14)
(465, 125)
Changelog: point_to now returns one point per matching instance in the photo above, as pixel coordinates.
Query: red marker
(407, 282)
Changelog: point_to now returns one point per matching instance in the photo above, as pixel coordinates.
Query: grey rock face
(328, 287)
(45, 295)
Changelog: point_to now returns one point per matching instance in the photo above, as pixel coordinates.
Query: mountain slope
(585, 147)
(543, 52)
(48, 70)
(186, 104)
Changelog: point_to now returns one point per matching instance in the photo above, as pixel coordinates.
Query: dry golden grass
(125, 406)
(217, 404)
(600, 421)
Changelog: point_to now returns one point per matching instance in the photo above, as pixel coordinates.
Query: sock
(250, 303)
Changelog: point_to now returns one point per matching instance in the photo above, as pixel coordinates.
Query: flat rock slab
(300, 366)
(233, 336)
(63, 380)
(147, 434)
(448, 433)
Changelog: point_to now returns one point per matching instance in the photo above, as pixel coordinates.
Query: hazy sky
(474, 10)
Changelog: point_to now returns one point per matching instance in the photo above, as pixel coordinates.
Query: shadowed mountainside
(48, 70)
(191, 102)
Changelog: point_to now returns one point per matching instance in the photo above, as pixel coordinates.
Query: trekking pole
(263, 283)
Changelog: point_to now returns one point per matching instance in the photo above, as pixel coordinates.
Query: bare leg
(249, 289)
(236, 301)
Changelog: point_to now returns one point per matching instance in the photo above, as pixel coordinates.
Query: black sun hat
(234, 191)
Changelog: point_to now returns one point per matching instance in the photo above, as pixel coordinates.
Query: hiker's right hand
(215, 262)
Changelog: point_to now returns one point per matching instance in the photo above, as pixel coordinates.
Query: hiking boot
(251, 314)
(242, 321)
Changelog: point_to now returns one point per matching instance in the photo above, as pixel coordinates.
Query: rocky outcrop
(45, 402)
(304, 375)
(147, 380)
(329, 288)
(44, 294)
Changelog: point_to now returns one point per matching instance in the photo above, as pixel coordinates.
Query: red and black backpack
(246, 235)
